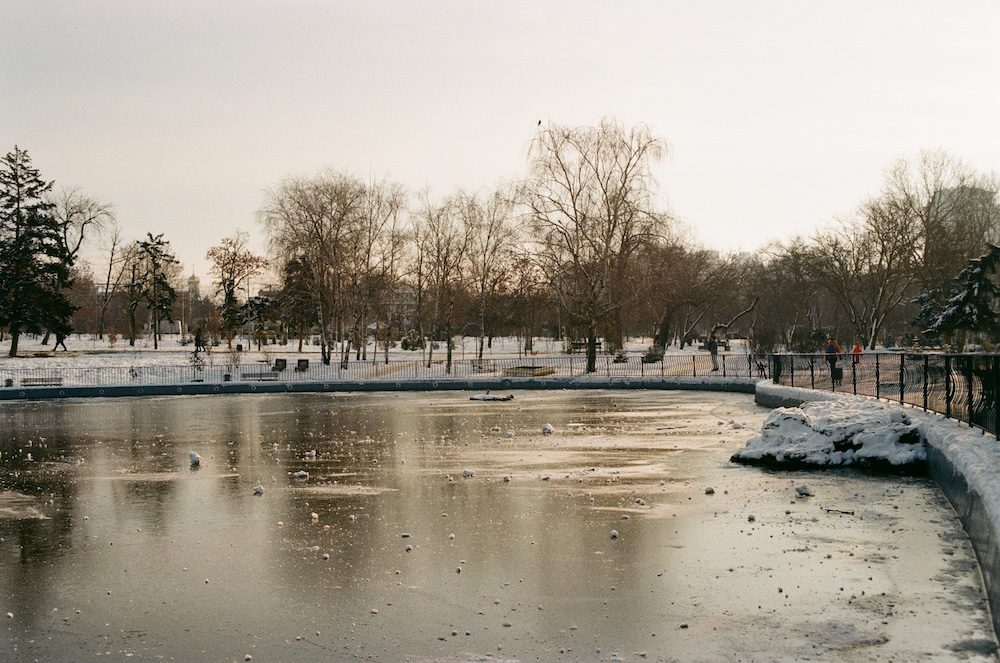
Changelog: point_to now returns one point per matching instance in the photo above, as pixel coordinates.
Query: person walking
(713, 349)
(857, 353)
(832, 350)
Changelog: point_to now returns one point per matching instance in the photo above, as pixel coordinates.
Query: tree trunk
(591, 346)
(131, 327)
(482, 326)
(430, 345)
(100, 324)
(15, 333)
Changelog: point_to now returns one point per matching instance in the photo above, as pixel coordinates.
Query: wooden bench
(483, 366)
(41, 382)
(259, 375)
(301, 365)
(529, 371)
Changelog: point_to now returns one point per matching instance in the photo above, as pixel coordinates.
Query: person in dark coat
(832, 352)
(713, 349)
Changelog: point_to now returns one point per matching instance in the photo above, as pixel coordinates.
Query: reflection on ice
(16, 506)
(597, 541)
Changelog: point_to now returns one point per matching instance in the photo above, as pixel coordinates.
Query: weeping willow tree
(590, 201)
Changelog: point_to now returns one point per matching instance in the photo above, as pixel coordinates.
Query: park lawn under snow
(89, 352)
(834, 433)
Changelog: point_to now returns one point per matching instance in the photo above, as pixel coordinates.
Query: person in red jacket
(857, 353)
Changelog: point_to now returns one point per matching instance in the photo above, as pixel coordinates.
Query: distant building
(194, 286)
(958, 222)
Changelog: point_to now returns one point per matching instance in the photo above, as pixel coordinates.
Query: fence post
(723, 365)
(878, 377)
(791, 369)
(902, 369)
(968, 381)
(854, 376)
(995, 383)
(812, 372)
(694, 368)
(926, 371)
(947, 386)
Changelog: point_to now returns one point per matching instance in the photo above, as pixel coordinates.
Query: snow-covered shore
(963, 461)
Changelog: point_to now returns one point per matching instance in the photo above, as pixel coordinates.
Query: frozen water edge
(962, 460)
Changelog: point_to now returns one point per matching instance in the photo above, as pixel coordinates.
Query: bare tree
(78, 215)
(312, 219)
(443, 244)
(233, 265)
(869, 264)
(491, 234)
(373, 257)
(954, 208)
(590, 207)
(118, 259)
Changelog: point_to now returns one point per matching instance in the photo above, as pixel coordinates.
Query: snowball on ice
(836, 432)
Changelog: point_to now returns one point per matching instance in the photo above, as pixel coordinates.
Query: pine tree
(296, 305)
(972, 308)
(159, 294)
(34, 263)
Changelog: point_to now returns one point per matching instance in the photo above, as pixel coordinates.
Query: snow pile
(834, 433)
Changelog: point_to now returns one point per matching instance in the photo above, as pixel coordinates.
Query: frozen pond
(114, 548)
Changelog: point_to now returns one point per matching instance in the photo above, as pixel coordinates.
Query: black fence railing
(960, 386)
(297, 369)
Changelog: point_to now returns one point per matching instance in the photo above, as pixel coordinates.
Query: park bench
(302, 365)
(483, 366)
(259, 375)
(41, 382)
(279, 365)
(529, 371)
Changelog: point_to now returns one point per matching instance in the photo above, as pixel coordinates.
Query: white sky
(780, 115)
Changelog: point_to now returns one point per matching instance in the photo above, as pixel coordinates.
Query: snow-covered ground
(87, 352)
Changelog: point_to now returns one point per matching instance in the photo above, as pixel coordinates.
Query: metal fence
(961, 386)
(296, 369)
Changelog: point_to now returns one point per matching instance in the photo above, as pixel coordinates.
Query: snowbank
(836, 432)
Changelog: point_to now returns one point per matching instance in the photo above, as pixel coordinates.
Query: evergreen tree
(972, 308)
(159, 294)
(34, 263)
(295, 302)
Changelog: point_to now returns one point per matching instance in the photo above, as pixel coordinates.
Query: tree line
(578, 249)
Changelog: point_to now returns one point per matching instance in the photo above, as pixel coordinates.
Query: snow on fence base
(963, 461)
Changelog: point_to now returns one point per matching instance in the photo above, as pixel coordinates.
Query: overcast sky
(780, 115)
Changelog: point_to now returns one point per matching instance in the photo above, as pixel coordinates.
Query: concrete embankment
(963, 461)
